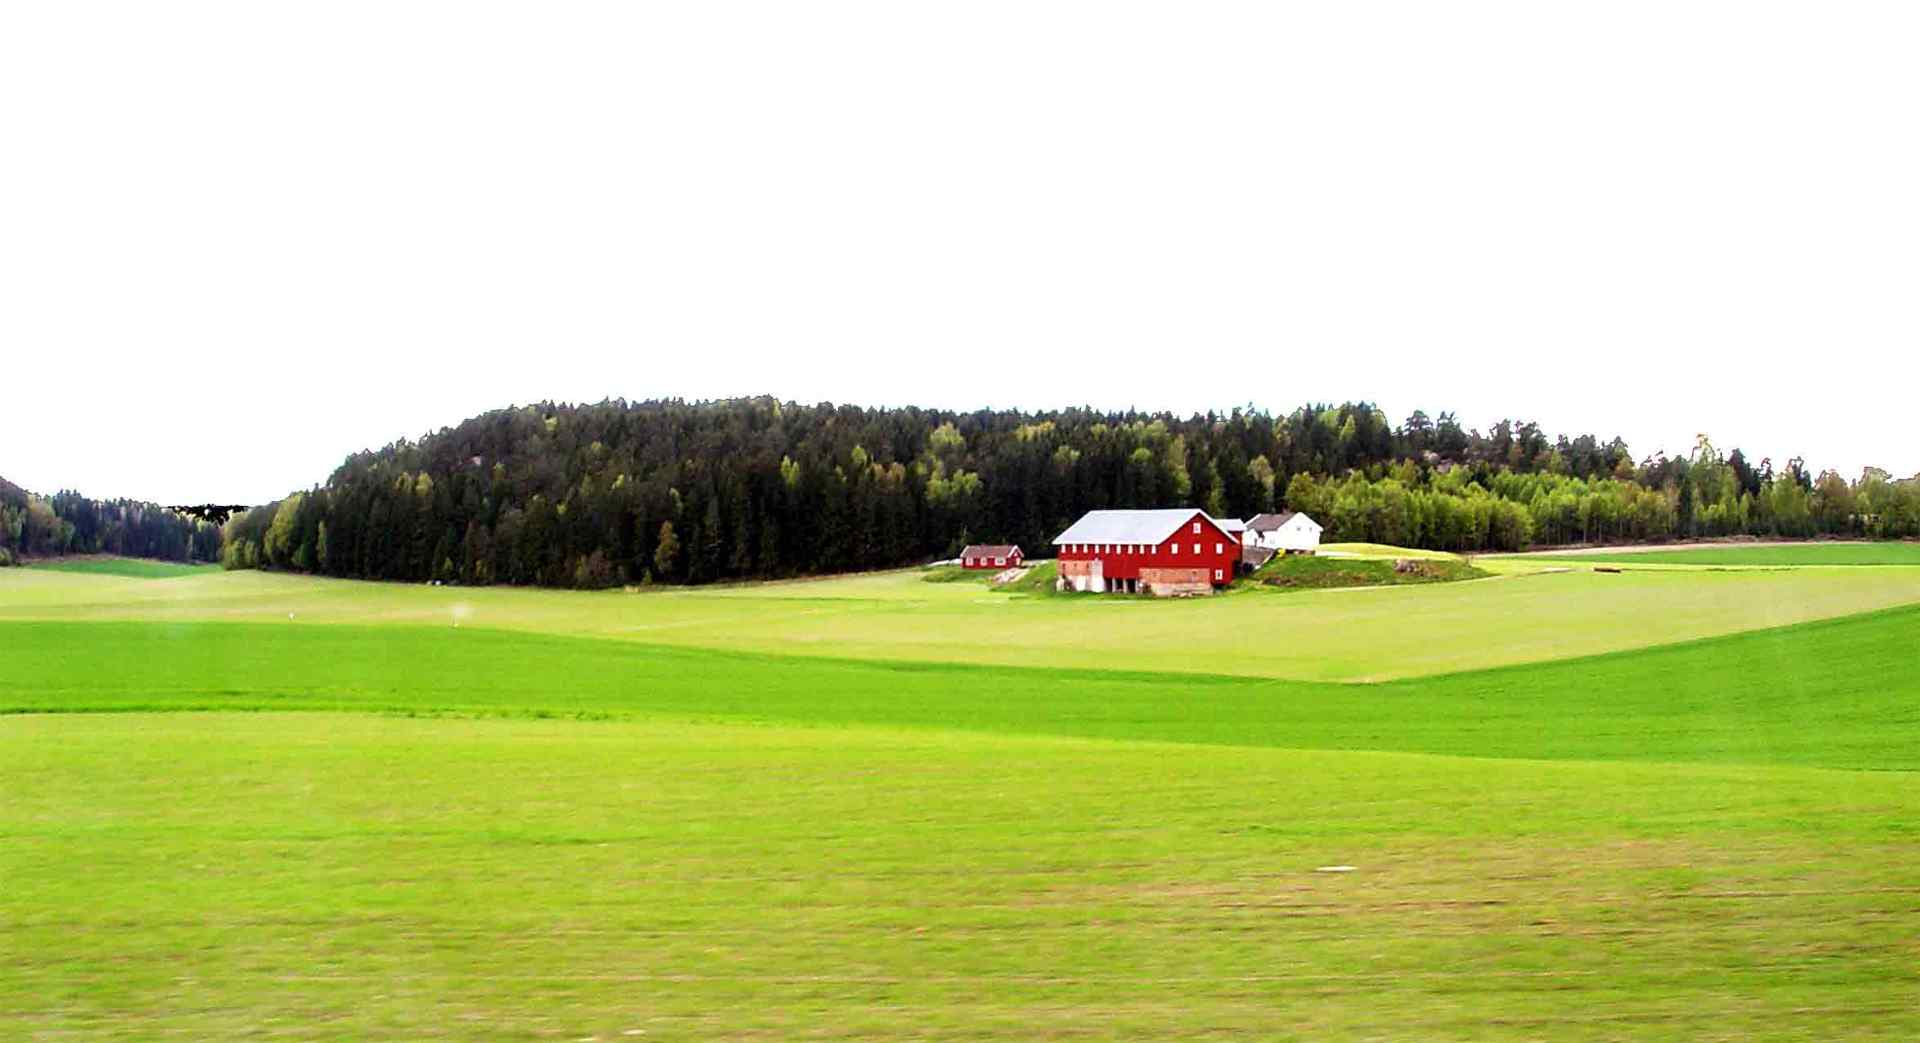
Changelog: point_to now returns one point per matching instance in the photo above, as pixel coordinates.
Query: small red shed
(991, 556)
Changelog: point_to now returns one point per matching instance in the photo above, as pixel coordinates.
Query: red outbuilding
(1164, 552)
(991, 556)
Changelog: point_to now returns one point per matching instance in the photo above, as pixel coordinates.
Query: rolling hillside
(829, 809)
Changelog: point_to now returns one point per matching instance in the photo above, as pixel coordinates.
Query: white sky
(240, 240)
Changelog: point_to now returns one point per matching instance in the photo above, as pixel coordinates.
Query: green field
(135, 568)
(1527, 614)
(1882, 553)
(1672, 804)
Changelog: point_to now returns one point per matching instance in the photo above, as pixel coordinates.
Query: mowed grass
(1335, 635)
(134, 568)
(1759, 554)
(1839, 693)
(506, 831)
(325, 876)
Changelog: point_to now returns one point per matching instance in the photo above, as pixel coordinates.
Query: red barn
(1166, 552)
(991, 556)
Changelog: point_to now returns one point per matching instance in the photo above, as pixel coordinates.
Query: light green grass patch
(344, 877)
(1756, 554)
(135, 568)
(1321, 635)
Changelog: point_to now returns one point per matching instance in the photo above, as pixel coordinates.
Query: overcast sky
(240, 240)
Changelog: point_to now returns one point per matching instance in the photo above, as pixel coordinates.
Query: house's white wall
(1299, 533)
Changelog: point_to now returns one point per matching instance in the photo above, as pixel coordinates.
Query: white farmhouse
(1288, 532)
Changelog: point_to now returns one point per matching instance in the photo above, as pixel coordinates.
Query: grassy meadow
(1531, 611)
(1759, 554)
(1679, 803)
(133, 568)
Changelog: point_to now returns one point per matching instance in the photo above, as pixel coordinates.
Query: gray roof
(1232, 524)
(1270, 522)
(1130, 526)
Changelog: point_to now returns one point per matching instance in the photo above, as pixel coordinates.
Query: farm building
(1288, 532)
(1163, 552)
(991, 556)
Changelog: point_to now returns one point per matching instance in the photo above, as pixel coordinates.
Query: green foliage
(760, 489)
(69, 523)
(666, 552)
(278, 545)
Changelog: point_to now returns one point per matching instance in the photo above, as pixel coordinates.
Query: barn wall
(1169, 582)
(1124, 565)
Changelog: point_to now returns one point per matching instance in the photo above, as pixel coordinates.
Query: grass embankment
(1756, 554)
(1384, 550)
(1838, 693)
(132, 568)
(1302, 572)
(955, 574)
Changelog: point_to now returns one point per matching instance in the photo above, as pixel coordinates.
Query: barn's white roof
(1130, 526)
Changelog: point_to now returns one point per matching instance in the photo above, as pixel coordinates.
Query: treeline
(1704, 495)
(677, 492)
(69, 523)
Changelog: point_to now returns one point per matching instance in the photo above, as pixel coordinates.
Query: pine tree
(666, 553)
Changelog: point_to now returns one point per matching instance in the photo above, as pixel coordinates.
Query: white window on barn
(1219, 548)
(999, 561)
(1176, 548)
(1196, 528)
(1216, 574)
(1196, 548)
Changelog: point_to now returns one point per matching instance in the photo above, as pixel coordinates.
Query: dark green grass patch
(1313, 572)
(136, 568)
(1838, 693)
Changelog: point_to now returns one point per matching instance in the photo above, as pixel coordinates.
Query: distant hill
(69, 523)
(679, 492)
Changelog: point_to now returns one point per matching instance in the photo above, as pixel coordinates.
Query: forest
(69, 523)
(677, 492)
